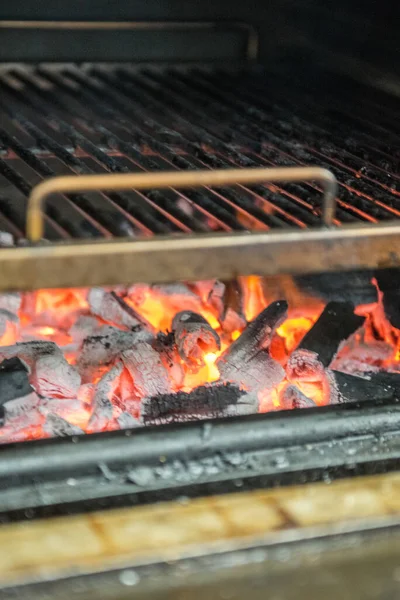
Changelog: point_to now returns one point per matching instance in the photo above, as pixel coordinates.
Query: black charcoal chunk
(204, 402)
(376, 387)
(335, 324)
(14, 381)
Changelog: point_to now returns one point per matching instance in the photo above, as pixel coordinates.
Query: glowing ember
(94, 358)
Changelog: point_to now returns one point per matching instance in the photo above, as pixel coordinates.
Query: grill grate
(74, 120)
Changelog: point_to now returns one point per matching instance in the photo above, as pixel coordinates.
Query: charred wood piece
(14, 380)
(20, 406)
(247, 361)
(292, 397)
(204, 402)
(194, 338)
(166, 347)
(102, 402)
(305, 366)
(58, 427)
(258, 333)
(50, 373)
(148, 374)
(102, 349)
(112, 309)
(335, 324)
(374, 387)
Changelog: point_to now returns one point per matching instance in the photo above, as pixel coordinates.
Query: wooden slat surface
(95, 541)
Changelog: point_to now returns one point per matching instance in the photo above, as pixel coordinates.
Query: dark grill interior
(69, 119)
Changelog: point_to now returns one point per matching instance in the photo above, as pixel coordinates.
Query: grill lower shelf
(74, 120)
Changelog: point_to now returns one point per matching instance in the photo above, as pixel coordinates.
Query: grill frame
(175, 257)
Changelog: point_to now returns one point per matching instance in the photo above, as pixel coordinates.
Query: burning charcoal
(57, 427)
(167, 349)
(292, 397)
(258, 333)
(10, 302)
(112, 309)
(53, 376)
(233, 298)
(305, 366)
(247, 361)
(73, 410)
(9, 327)
(149, 376)
(232, 318)
(18, 407)
(14, 380)
(194, 338)
(336, 323)
(101, 349)
(260, 372)
(28, 352)
(102, 402)
(127, 421)
(204, 402)
(215, 298)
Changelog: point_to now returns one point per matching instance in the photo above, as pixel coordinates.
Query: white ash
(53, 376)
(73, 410)
(103, 408)
(292, 397)
(21, 406)
(258, 373)
(10, 302)
(127, 421)
(106, 306)
(148, 373)
(104, 347)
(304, 365)
(56, 426)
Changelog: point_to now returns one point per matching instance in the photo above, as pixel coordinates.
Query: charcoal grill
(167, 142)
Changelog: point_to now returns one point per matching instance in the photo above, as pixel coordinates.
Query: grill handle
(176, 179)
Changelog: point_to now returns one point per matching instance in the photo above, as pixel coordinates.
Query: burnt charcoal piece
(351, 286)
(2, 415)
(58, 427)
(388, 282)
(165, 346)
(292, 397)
(377, 387)
(101, 349)
(391, 305)
(233, 298)
(194, 337)
(204, 402)
(247, 361)
(14, 381)
(335, 324)
(20, 406)
(304, 365)
(258, 333)
(148, 374)
(102, 401)
(112, 309)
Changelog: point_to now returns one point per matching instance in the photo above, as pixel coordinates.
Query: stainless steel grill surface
(93, 119)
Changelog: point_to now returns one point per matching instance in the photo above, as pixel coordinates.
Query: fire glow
(97, 360)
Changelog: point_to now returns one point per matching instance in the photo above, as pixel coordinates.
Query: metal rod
(180, 179)
(195, 257)
(252, 44)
